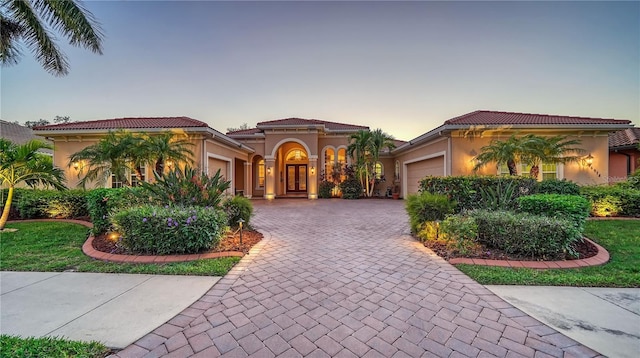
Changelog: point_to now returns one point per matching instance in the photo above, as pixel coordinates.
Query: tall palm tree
(164, 147)
(34, 22)
(111, 155)
(378, 141)
(358, 150)
(23, 163)
(557, 149)
(508, 151)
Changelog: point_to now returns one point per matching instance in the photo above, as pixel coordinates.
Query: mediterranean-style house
(288, 157)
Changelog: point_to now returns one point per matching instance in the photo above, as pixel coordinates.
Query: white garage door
(418, 170)
(215, 164)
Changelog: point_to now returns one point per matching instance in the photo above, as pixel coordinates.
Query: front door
(296, 178)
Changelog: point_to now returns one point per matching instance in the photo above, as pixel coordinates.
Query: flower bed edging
(600, 258)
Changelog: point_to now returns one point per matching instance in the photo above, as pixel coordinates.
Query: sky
(404, 67)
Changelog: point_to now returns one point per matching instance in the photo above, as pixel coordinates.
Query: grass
(57, 246)
(620, 237)
(12, 346)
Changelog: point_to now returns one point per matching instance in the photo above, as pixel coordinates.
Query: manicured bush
(460, 233)
(158, 230)
(185, 187)
(556, 186)
(502, 196)
(425, 207)
(617, 200)
(236, 208)
(103, 202)
(574, 208)
(17, 193)
(65, 204)
(532, 236)
(325, 189)
(466, 190)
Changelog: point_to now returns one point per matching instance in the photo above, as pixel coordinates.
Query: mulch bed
(230, 242)
(584, 248)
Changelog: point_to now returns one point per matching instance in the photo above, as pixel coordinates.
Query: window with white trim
(547, 170)
(378, 170)
(261, 173)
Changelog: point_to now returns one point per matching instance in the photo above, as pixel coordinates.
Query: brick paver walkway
(339, 278)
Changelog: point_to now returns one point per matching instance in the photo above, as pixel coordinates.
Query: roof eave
(228, 140)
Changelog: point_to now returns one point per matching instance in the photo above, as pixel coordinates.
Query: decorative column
(313, 177)
(270, 179)
(248, 179)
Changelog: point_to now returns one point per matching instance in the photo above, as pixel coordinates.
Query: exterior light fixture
(76, 165)
(240, 222)
(589, 160)
(313, 170)
(269, 170)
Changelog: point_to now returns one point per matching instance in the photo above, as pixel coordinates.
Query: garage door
(419, 170)
(215, 164)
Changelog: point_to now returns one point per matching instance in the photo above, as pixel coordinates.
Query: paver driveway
(339, 278)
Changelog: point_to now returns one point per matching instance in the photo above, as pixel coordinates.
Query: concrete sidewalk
(604, 319)
(115, 309)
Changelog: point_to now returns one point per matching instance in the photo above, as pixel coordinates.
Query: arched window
(329, 157)
(378, 170)
(397, 171)
(261, 173)
(296, 155)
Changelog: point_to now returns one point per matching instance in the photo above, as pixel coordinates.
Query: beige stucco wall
(435, 148)
(63, 149)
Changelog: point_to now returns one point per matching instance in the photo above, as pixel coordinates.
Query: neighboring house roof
(129, 123)
(479, 120)
(628, 138)
(511, 118)
(301, 122)
(243, 132)
(20, 134)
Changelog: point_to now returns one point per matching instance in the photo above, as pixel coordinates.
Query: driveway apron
(340, 278)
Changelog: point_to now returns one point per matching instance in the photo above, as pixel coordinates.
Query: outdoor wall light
(269, 170)
(589, 160)
(76, 165)
(313, 170)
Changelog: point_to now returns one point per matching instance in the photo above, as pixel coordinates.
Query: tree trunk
(535, 171)
(7, 208)
(160, 166)
(512, 167)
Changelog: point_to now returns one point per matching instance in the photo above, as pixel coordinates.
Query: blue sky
(404, 67)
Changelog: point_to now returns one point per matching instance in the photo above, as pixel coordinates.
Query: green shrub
(65, 204)
(502, 196)
(186, 187)
(466, 190)
(103, 202)
(556, 186)
(160, 230)
(325, 189)
(460, 233)
(616, 200)
(236, 208)
(533, 236)
(425, 207)
(574, 208)
(17, 193)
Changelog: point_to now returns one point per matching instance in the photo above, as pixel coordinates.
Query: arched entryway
(291, 171)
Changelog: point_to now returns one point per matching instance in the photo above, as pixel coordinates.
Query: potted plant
(396, 192)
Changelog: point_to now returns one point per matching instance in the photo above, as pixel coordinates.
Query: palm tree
(557, 149)
(35, 21)
(165, 147)
(378, 141)
(358, 150)
(508, 151)
(23, 163)
(109, 156)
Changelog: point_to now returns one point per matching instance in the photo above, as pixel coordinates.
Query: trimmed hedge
(325, 188)
(537, 237)
(466, 190)
(571, 207)
(160, 230)
(238, 208)
(17, 193)
(617, 200)
(103, 202)
(555, 186)
(52, 204)
(426, 207)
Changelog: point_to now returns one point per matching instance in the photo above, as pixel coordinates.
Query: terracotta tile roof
(249, 131)
(144, 122)
(309, 122)
(629, 137)
(510, 118)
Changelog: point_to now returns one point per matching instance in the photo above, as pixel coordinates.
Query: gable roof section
(129, 123)
(628, 138)
(301, 122)
(492, 118)
(20, 134)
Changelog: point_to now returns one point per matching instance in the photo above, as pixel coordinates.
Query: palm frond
(74, 21)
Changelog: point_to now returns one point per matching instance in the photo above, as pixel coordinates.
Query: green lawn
(620, 237)
(57, 246)
(16, 347)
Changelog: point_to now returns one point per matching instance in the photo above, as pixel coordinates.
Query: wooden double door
(296, 178)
